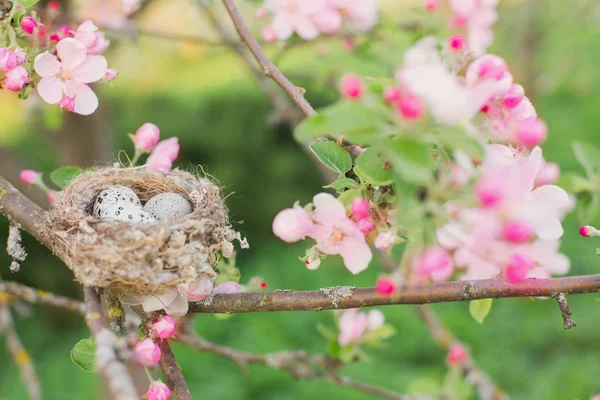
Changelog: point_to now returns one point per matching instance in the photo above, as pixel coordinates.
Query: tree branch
(299, 364)
(108, 349)
(37, 296)
(350, 297)
(565, 310)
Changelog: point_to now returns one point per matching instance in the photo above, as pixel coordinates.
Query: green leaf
(83, 354)
(63, 176)
(457, 139)
(574, 183)
(587, 207)
(342, 117)
(479, 309)
(426, 386)
(332, 156)
(374, 168)
(28, 3)
(411, 159)
(343, 183)
(334, 348)
(588, 156)
(349, 195)
(347, 354)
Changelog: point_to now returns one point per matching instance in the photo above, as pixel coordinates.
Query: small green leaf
(349, 195)
(83, 354)
(587, 207)
(411, 159)
(63, 176)
(311, 128)
(479, 309)
(343, 183)
(457, 139)
(28, 3)
(332, 156)
(426, 386)
(334, 348)
(588, 156)
(374, 168)
(347, 353)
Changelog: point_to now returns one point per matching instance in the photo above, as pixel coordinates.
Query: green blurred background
(207, 98)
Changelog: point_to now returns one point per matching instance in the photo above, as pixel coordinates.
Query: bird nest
(140, 259)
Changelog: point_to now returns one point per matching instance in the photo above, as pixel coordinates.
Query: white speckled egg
(113, 195)
(166, 206)
(127, 212)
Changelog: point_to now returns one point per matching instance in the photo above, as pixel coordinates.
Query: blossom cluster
(15, 76)
(309, 19)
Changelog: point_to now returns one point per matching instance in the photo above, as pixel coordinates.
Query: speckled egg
(166, 206)
(127, 212)
(113, 195)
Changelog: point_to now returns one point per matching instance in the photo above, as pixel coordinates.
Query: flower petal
(71, 52)
(305, 27)
(158, 302)
(50, 89)
(91, 70)
(356, 253)
(46, 65)
(86, 101)
(328, 209)
(178, 307)
(282, 25)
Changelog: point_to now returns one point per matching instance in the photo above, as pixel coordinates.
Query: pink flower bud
(409, 107)
(391, 94)
(517, 232)
(52, 196)
(385, 240)
(55, 38)
(147, 352)
(360, 208)
(16, 78)
(110, 75)
(146, 137)
(365, 225)
(168, 148)
(531, 132)
(457, 43)
(201, 289)
(488, 191)
(431, 5)
(385, 286)
(228, 288)
(29, 177)
(159, 164)
(268, 34)
(164, 327)
(8, 59)
(351, 86)
(457, 355)
(158, 391)
(518, 268)
(28, 25)
(53, 6)
(261, 13)
(349, 43)
(588, 231)
(65, 30)
(292, 224)
(67, 104)
(492, 67)
(548, 174)
(21, 56)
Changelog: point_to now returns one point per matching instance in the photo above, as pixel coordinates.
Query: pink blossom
(391, 94)
(385, 286)
(349, 43)
(21, 56)
(365, 225)
(359, 16)
(268, 34)
(292, 224)
(457, 43)
(228, 288)
(434, 263)
(585, 231)
(518, 268)
(385, 240)
(477, 17)
(375, 320)
(163, 155)
(200, 289)
(353, 325)
(28, 24)
(146, 137)
(351, 86)
(164, 327)
(517, 232)
(147, 352)
(409, 107)
(335, 233)
(110, 75)
(8, 59)
(489, 68)
(87, 33)
(261, 13)
(328, 20)
(16, 78)
(67, 104)
(457, 355)
(548, 174)
(158, 391)
(360, 208)
(65, 31)
(294, 16)
(52, 196)
(29, 177)
(70, 75)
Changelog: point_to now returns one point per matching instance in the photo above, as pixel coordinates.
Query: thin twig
(38, 296)
(565, 310)
(299, 364)
(108, 350)
(20, 355)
